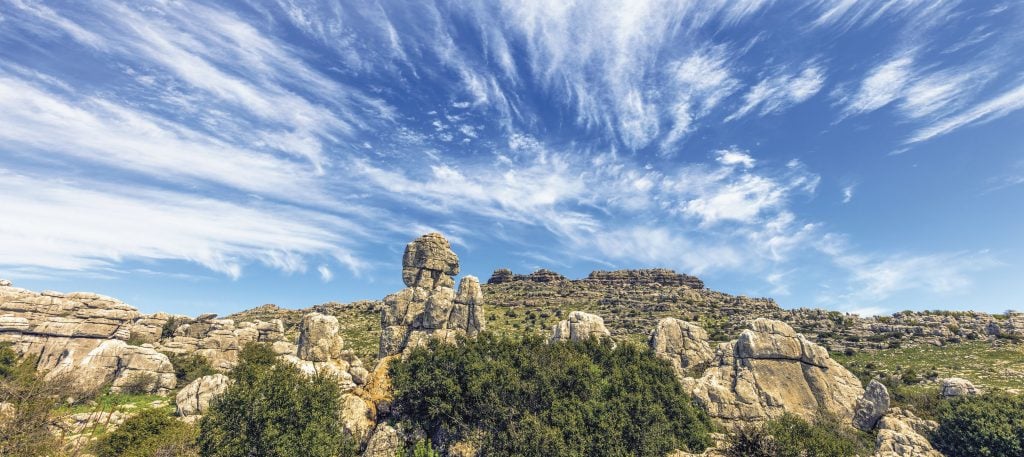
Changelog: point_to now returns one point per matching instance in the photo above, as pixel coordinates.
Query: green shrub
(189, 367)
(150, 433)
(26, 428)
(524, 397)
(139, 383)
(791, 436)
(990, 425)
(273, 409)
(422, 448)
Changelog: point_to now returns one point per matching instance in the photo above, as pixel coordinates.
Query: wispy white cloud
(781, 91)
(882, 85)
(848, 193)
(325, 273)
(89, 225)
(993, 108)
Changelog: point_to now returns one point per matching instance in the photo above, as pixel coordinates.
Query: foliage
(170, 326)
(189, 367)
(791, 436)
(8, 360)
(24, 424)
(139, 383)
(273, 409)
(422, 448)
(990, 425)
(525, 397)
(151, 432)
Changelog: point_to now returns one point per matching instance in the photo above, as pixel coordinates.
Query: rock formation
(219, 340)
(194, 398)
(504, 275)
(658, 276)
(122, 365)
(358, 417)
(957, 387)
(683, 344)
(429, 307)
(901, 434)
(769, 370)
(320, 349)
(871, 406)
(579, 326)
(386, 441)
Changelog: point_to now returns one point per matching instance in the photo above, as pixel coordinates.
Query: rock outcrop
(957, 387)
(125, 367)
(652, 276)
(320, 349)
(871, 406)
(62, 328)
(683, 344)
(901, 434)
(429, 307)
(770, 370)
(219, 340)
(358, 417)
(194, 398)
(386, 441)
(504, 275)
(580, 326)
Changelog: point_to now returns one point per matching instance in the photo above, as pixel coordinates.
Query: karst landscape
(128, 383)
(511, 228)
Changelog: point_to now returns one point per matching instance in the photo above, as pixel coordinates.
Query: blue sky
(862, 156)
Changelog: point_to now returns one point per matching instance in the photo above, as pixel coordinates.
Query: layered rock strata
(429, 307)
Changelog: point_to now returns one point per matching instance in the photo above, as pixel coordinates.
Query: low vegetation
(989, 425)
(512, 396)
(791, 436)
(149, 433)
(189, 367)
(985, 364)
(273, 409)
(29, 406)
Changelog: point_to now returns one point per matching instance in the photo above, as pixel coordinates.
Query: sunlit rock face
(430, 307)
(770, 370)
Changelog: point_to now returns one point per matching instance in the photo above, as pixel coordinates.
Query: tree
(524, 397)
(273, 409)
(152, 432)
(990, 425)
(29, 403)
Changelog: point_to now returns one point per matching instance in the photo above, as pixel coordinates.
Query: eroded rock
(194, 398)
(871, 406)
(580, 326)
(957, 387)
(770, 370)
(900, 434)
(683, 344)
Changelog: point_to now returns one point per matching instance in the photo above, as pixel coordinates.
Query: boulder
(900, 434)
(430, 308)
(319, 340)
(871, 406)
(386, 441)
(194, 399)
(683, 344)
(957, 387)
(358, 416)
(770, 370)
(579, 326)
(120, 364)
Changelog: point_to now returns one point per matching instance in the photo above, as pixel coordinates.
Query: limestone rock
(357, 416)
(683, 344)
(428, 260)
(120, 364)
(319, 340)
(579, 326)
(871, 406)
(217, 340)
(769, 370)
(652, 276)
(898, 436)
(430, 308)
(957, 387)
(385, 441)
(194, 398)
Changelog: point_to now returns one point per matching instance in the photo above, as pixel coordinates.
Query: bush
(139, 383)
(273, 409)
(989, 425)
(189, 367)
(152, 432)
(24, 429)
(791, 436)
(524, 397)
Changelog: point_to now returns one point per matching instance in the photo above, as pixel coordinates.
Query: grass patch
(987, 366)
